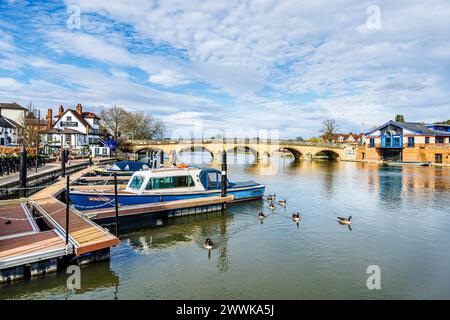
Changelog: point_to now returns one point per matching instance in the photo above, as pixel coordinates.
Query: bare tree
(329, 129)
(122, 124)
(29, 133)
(114, 120)
(142, 126)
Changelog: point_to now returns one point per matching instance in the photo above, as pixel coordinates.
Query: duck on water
(169, 184)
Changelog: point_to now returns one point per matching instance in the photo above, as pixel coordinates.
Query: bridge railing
(242, 141)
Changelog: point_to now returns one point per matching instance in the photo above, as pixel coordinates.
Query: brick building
(407, 142)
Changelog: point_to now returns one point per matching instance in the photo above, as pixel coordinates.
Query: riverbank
(10, 184)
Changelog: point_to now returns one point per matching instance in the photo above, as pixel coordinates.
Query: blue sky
(262, 64)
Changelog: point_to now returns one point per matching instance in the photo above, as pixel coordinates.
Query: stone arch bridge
(261, 149)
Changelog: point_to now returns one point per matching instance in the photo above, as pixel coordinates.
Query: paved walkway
(49, 167)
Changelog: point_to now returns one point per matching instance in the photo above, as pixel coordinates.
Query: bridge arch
(143, 153)
(296, 153)
(246, 148)
(193, 148)
(330, 154)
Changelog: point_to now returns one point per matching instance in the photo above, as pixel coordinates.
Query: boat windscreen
(136, 182)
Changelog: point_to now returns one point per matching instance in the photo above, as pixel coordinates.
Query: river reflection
(400, 223)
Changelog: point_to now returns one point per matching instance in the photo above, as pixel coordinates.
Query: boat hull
(89, 200)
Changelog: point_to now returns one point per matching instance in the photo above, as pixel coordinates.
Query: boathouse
(407, 142)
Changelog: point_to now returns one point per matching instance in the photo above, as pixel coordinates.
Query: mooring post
(154, 160)
(67, 208)
(116, 203)
(161, 159)
(223, 192)
(63, 162)
(23, 172)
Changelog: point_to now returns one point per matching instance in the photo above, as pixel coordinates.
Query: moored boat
(125, 168)
(169, 184)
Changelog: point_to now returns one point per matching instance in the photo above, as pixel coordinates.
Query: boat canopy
(211, 178)
(129, 166)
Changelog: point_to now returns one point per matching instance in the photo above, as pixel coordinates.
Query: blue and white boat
(121, 168)
(168, 184)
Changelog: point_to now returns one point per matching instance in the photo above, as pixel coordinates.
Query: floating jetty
(33, 234)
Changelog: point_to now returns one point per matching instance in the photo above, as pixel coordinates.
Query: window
(427, 140)
(438, 158)
(95, 121)
(69, 118)
(136, 183)
(169, 182)
(396, 141)
(410, 142)
(439, 140)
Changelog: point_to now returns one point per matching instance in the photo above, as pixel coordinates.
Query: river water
(401, 223)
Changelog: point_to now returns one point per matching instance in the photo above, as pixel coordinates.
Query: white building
(8, 131)
(72, 128)
(13, 111)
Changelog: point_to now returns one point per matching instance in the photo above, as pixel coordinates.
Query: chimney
(79, 109)
(60, 111)
(49, 118)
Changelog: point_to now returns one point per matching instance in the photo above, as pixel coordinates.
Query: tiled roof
(4, 123)
(419, 128)
(89, 115)
(12, 106)
(60, 131)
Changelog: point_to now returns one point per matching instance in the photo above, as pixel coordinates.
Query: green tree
(399, 118)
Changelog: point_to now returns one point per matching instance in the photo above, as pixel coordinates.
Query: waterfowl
(282, 203)
(343, 220)
(271, 206)
(261, 215)
(296, 217)
(208, 244)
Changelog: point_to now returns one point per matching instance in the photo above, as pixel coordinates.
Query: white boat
(168, 184)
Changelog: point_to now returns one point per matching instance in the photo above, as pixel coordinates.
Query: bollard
(223, 191)
(23, 172)
(67, 209)
(63, 163)
(116, 203)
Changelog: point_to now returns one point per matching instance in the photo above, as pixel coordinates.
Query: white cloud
(269, 61)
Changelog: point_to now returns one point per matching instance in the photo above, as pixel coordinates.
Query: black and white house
(72, 128)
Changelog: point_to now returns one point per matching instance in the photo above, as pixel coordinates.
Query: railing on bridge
(242, 141)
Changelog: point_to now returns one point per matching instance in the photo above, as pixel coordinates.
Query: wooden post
(223, 191)
(116, 203)
(224, 174)
(37, 139)
(63, 162)
(23, 172)
(67, 209)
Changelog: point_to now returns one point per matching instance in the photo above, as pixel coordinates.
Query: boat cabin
(175, 180)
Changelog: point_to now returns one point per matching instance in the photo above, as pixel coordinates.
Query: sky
(231, 65)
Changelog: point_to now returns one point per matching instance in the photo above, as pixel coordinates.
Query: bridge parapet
(260, 148)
